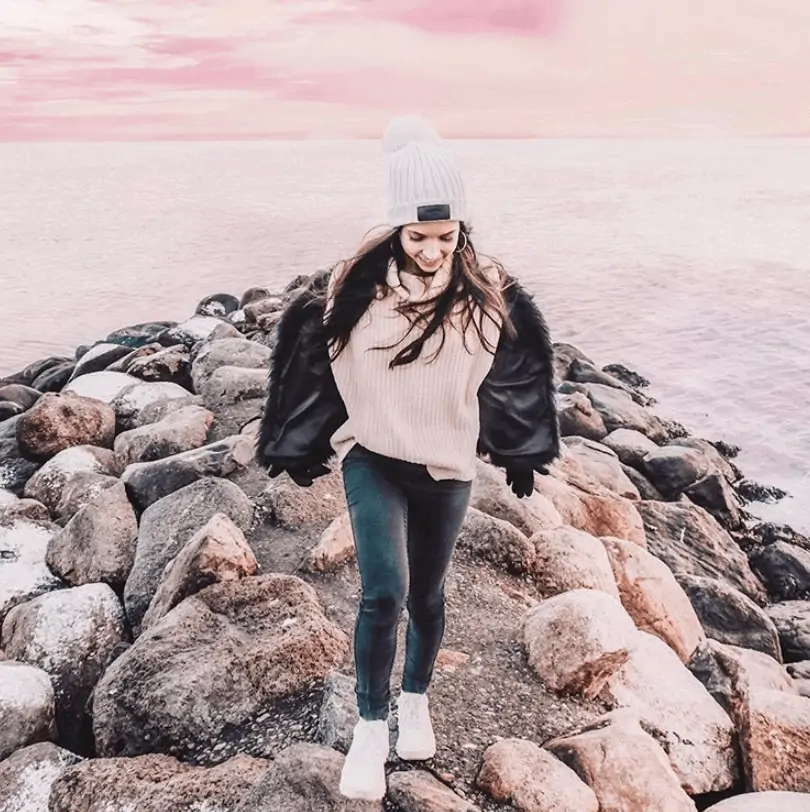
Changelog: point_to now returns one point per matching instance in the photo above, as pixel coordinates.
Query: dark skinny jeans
(405, 526)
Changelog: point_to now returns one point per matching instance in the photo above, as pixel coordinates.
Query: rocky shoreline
(176, 626)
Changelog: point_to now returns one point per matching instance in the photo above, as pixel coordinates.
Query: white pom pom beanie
(424, 174)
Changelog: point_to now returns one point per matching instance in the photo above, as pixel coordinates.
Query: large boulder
(594, 468)
(148, 482)
(166, 527)
(63, 420)
(653, 598)
(70, 634)
(23, 571)
(98, 543)
(578, 640)
(227, 352)
(624, 766)
(730, 617)
(792, 621)
(784, 569)
(691, 542)
(304, 778)
(48, 483)
(217, 552)
(291, 506)
(578, 417)
(631, 446)
(765, 802)
(154, 783)
(493, 540)
(104, 386)
(134, 403)
(420, 791)
(182, 430)
(673, 705)
(26, 778)
(214, 664)
(520, 772)
(26, 707)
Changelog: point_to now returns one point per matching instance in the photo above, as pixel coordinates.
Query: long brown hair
(364, 276)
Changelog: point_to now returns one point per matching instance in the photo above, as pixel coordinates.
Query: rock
(54, 379)
(166, 527)
(730, 617)
(20, 395)
(775, 741)
(334, 548)
(26, 778)
(137, 335)
(586, 372)
(147, 482)
(303, 778)
(47, 485)
(607, 515)
(104, 386)
(717, 463)
(691, 542)
(228, 385)
(69, 634)
(290, 506)
(673, 468)
(792, 621)
(155, 783)
(727, 672)
(594, 468)
(23, 571)
(578, 640)
(339, 712)
(419, 791)
(7, 499)
(218, 304)
(645, 488)
(213, 664)
(784, 569)
(491, 495)
(256, 293)
(80, 490)
(517, 771)
(227, 352)
(653, 598)
(672, 704)
(26, 707)
(12, 507)
(569, 559)
(27, 375)
(714, 493)
(15, 470)
(98, 543)
(192, 331)
(122, 364)
(179, 431)
(764, 802)
(623, 765)
(626, 376)
(133, 400)
(618, 409)
(172, 364)
(578, 417)
(630, 446)
(564, 357)
(217, 552)
(98, 358)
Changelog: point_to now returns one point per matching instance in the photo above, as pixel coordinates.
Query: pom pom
(405, 130)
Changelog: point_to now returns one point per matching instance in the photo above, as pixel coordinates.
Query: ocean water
(687, 261)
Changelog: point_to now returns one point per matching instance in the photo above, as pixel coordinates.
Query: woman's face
(430, 245)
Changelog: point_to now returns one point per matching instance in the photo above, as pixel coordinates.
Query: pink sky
(133, 69)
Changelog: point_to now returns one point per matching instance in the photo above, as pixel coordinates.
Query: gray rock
(769, 801)
(23, 571)
(70, 634)
(784, 569)
(497, 541)
(168, 524)
(80, 490)
(630, 446)
(715, 494)
(193, 330)
(211, 666)
(792, 620)
(419, 791)
(99, 358)
(339, 712)
(147, 482)
(26, 778)
(171, 364)
(691, 542)
(578, 417)
(98, 543)
(227, 352)
(564, 357)
(15, 470)
(134, 399)
(104, 386)
(304, 778)
(729, 616)
(26, 707)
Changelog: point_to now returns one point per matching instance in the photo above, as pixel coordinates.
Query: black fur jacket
(518, 417)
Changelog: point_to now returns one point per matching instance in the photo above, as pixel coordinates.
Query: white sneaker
(416, 741)
(363, 774)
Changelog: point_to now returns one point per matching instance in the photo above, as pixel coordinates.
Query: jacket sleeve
(303, 408)
(517, 407)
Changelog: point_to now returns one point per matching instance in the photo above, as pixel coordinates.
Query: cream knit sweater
(421, 412)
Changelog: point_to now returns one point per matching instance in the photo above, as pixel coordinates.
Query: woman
(407, 362)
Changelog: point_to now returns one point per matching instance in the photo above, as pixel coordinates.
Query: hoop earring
(464, 247)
